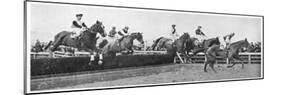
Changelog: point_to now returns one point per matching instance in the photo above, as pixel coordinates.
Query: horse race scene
(73, 47)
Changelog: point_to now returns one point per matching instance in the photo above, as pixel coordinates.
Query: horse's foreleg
(235, 57)
(132, 51)
(212, 66)
(187, 58)
(229, 62)
(100, 59)
(239, 59)
(92, 57)
(205, 66)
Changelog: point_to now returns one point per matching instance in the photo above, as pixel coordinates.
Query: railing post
(227, 61)
(249, 59)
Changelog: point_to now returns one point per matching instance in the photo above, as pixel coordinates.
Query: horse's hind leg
(205, 66)
(212, 66)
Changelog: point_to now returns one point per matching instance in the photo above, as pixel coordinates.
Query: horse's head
(98, 28)
(138, 36)
(246, 45)
(217, 41)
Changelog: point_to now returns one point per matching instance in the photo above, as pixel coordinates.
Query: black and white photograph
(75, 47)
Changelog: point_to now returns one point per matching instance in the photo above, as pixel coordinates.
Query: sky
(46, 20)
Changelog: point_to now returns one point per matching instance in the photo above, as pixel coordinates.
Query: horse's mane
(184, 35)
(94, 27)
(213, 38)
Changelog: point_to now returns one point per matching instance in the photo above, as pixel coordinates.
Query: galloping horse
(232, 53)
(87, 40)
(206, 44)
(178, 46)
(124, 43)
(191, 44)
(158, 43)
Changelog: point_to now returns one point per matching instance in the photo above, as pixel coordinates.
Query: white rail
(251, 57)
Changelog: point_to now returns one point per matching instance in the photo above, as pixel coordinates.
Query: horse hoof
(90, 63)
(100, 62)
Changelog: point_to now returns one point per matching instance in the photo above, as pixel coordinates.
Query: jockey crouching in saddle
(123, 33)
(227, 41)
(78, 26)
(112, 35)
(200, 35)
(173, 33)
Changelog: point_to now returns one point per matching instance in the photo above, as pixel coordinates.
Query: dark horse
(191, 44)
(119, 45)
(205, 45)
(172, 48)
(86, 42)
(38, 47)
(124, 43)
(232, 53)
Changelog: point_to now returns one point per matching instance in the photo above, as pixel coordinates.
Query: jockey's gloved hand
(85, 28)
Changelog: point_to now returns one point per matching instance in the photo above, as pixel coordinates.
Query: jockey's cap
(126, 27)
(173, 25)
(79, 15)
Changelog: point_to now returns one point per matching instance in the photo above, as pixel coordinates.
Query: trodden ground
(147, 75)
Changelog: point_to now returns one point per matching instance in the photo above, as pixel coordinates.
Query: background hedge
(47, 66)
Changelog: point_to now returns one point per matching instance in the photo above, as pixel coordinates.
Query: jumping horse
(203, 46)
(173, 47)
(232, 53)
(87, 40)
(123, 44)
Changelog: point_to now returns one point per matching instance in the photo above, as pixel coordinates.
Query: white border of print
(27, 49)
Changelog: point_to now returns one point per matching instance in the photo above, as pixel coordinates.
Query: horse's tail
(48, 45)
(155, 43)
(58, 40)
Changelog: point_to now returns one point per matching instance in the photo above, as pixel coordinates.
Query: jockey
(124, 32)
(112, 35)
(199, 34)
(227, 39)
(78, 26)
(173, 33)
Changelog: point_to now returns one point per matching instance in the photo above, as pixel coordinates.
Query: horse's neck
(131, 39)
(92, 36)
(183, 37)
(237, 45)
